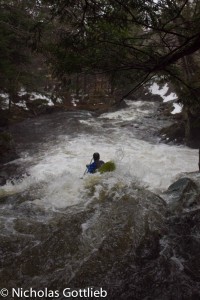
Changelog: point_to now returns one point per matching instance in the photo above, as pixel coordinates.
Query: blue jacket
(94, 166)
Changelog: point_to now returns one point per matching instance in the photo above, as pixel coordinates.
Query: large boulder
(182, 194)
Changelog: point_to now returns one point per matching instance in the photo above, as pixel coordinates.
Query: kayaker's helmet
(96, 156)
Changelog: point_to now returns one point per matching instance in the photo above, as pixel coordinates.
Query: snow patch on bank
(22, 92)
(156, 90)
(35, 96)
(177, 108)
(75, 101)
(4, 97)
(22, 103)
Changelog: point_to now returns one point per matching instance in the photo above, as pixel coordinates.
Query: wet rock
(2, 180)
(7, 148)
(182, 240)
(144, 94)
(121, 241)
(166, 108)
(4, 119)
(183, 194)
(174, 132)
(4, 176)
(120, 105)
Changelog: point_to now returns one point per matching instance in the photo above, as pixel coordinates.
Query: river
(63, 229)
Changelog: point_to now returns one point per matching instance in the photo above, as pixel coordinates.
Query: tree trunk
(9, 104)
(77, 85)
(187, 114)
(199, 159)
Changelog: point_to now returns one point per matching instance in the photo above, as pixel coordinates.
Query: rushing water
(60, 228)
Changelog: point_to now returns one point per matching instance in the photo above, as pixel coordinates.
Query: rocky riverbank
(129, 241)
(163, 261)
(185, 127)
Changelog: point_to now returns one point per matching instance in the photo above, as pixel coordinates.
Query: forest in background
(99, 51)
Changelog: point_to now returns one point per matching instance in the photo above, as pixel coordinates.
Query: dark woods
(101, 50)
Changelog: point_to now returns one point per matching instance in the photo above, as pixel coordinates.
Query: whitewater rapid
(54, 173)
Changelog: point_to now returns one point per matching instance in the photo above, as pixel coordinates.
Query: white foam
(131, 113)
(58, 173)
(55, 174)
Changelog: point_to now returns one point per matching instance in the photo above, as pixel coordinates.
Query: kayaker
(97, 163)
